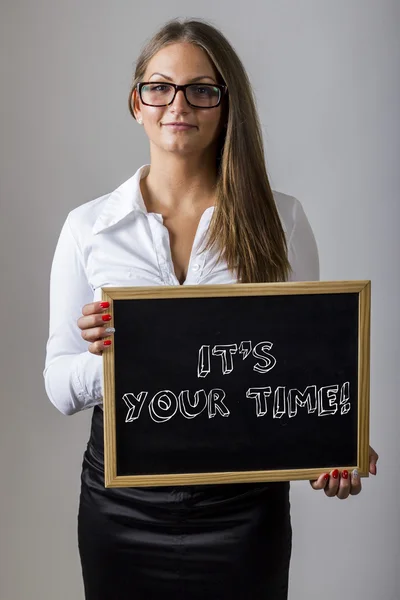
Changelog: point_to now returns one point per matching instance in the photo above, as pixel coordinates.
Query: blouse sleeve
(73, 375)
(302, 248)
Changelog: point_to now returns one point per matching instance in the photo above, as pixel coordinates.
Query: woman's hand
(95, 326)
(344, 484)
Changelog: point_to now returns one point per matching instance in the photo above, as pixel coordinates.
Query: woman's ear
(136, 105)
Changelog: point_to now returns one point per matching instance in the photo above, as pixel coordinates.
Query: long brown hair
(245, 227)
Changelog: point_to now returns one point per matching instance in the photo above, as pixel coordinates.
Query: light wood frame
(362, 288)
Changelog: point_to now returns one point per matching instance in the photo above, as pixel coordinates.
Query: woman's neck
(179, 185)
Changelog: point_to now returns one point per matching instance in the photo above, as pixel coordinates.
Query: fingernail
(106, 317)
(326, 477)
(109, 330)
(345, 474)
(355, 474)
(107, 343)
(104, 304)
(335, 474)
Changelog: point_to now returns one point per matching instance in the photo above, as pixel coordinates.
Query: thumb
(373, 459)
(320, 483)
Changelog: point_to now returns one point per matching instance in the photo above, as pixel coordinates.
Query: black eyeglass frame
(222, 89)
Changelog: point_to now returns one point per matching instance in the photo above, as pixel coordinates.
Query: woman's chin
(180, 148)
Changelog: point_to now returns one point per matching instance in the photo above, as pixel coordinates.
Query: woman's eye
(159, 88)
(203, 90)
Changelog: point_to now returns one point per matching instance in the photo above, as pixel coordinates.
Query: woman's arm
(303, 256)
(73, 376)
(302, 248)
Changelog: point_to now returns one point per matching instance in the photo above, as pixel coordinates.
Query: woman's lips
(176, 127)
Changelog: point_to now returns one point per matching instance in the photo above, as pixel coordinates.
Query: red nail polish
(345, 474)
(326, 477)
(106, 317)
(335, 474)
(104, 304)
(107, 343)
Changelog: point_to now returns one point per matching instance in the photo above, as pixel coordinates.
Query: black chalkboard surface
(206, 384)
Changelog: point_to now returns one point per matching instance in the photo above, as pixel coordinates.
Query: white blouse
(114, 241)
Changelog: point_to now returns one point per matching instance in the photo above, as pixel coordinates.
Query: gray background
(327, 79)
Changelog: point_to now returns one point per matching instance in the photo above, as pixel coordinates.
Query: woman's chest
(144, 252)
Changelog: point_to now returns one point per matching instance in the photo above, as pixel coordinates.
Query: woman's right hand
(95, 326)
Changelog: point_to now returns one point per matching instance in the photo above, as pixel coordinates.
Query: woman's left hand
(344, 484)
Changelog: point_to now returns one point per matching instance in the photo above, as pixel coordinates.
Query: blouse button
(196, 267)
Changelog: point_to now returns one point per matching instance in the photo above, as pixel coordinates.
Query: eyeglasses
(198, 95)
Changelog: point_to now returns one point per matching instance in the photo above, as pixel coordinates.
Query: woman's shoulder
(302, 246)
(86, 214)
(106, 210)
(288, 208)
(80, 221)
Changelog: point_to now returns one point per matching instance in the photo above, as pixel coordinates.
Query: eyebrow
(190, 80)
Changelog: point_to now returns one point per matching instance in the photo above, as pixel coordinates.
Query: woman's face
(180, 63)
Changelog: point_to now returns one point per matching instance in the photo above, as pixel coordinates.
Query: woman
(206, 182)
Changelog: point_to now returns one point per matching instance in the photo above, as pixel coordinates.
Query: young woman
(206, 182)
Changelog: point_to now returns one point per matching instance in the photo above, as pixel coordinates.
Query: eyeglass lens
(200, 95)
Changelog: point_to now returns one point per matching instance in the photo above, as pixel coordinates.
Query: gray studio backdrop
(327, 80)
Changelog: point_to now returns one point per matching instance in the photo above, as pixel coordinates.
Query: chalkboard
(230, 383)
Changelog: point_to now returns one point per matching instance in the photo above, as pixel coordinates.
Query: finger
(373, 459)
(93, 320)
(355, 483)
(96, 333)
(333, 485)
(320, 483)
(95, 308)
(344, 486)
(99, 347)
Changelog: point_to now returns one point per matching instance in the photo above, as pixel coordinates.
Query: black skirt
(212, 542)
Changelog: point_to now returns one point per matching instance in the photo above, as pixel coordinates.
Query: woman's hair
(245, 227)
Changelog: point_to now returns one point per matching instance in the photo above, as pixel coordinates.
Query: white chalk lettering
(134, 404)
(203, 364)
(344, 398)
(226, 352)
(279, 403)
(260, 351)
(192, 408)
(260, 394)
(245, 349)
(163, 406)
(215, 402)
(296, 398)
(327, 400)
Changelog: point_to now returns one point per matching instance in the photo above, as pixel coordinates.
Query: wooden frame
(362, 288)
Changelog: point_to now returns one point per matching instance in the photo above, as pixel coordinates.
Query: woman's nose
(180, 100)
